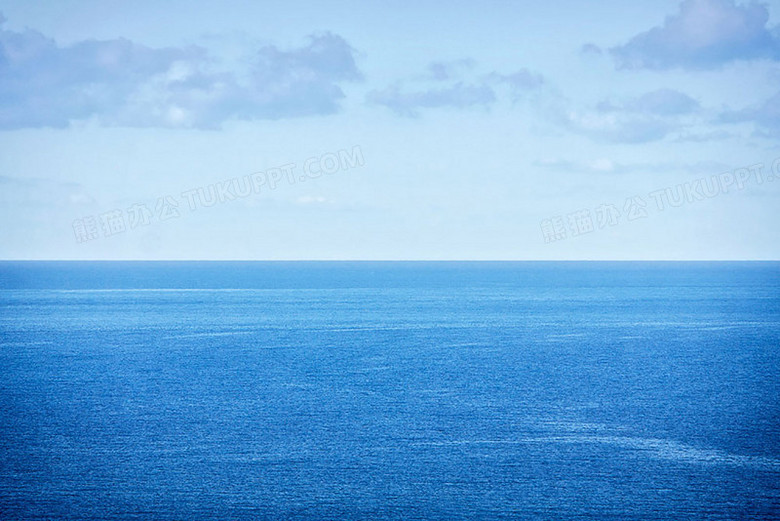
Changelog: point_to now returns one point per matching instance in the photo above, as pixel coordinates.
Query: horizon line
(390, 260)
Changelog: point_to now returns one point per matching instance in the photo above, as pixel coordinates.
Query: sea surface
(389, 390)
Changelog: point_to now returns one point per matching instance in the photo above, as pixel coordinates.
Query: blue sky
(389, 130)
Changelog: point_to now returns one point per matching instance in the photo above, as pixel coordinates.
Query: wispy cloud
(16, 191)
(449, 70)
(604, 165)
(409, 103)
(453, 84)
(520, 82)
(649, 117)
(619, 127)
(765, 116)
(704, 137)
(590, 48)
(661, 102)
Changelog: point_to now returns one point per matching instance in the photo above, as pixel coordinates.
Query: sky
(431, 130)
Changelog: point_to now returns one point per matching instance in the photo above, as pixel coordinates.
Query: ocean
(390, 390)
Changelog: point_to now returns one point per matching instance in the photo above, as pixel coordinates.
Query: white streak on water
(199, 335)
(651, 447)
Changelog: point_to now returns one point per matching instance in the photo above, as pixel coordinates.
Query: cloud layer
(765, 116)
(459, 95)
(661, 102)
(704, 34)
(451, 84)
(649, 117)
(119, 82)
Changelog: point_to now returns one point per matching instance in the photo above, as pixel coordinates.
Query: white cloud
(479, 90)
(703, 34)
(120, 82)
(765, 116)
(311, 199)
(649, 117)
(661, 102)
(449, 70)
(618, 127)
(408, 103)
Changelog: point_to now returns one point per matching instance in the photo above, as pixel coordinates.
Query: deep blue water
(378, 391)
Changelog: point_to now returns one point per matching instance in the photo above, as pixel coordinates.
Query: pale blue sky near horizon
(449, 131)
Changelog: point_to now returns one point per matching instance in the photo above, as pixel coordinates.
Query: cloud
(765, 116)
(120, 82)
(649, 117)
(312, 200)
(449, 70)
(661, 102)
(303, 81)
(590, 48)
(19, 191)
(608, 166)
(520, 82)
(461, 91)
(601, 165)
(704, 34)
(459, 95)
(618, 127)
(704, 137)
(42, 84)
